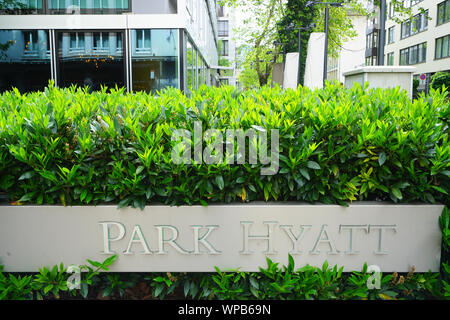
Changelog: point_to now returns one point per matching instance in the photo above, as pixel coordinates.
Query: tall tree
(298, 15)
(258, 33)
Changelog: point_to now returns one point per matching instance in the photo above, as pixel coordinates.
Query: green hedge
(440, 79)
(272, 282)
(336, 145)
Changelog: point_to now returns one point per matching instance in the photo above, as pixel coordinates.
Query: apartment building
(227, 47)
(141, 45)
(421, 41)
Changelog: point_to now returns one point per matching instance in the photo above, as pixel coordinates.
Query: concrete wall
(314, 61)
(156, 7)
(290, 71)
(195, 238)
(382, 77)
(352, 54)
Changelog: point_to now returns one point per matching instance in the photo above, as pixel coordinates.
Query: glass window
(20, 6)
(223, 28)
(442, 47)
(189, 64)
(143, 40)
(438, 53)
(369, 40)
(86, 59)
(443, 12)
(425, 20)
(89, 6)
(223, 46)
(119, 42)
(391, 10)
(406, 29)
(101, 41)
(24, 60)
(404, 57)
(201, 71)
(195, 67)
(445, 46)
(391, 35)
(415, 25)
(414, 54)
(154, 59)
(76, 41)
(390, 59)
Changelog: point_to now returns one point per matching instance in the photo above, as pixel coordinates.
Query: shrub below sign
(68, 146)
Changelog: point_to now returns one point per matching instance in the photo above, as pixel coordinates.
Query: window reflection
(24, 60)
(91, 59)
(154, 59)
(190, 65)
(88, 6)
(20, 6)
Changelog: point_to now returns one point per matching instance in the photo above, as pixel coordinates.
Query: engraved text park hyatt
(167, 235)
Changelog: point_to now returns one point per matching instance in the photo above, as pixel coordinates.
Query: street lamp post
(325, 54)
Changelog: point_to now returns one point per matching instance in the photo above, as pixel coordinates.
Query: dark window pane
(154, 59)
(82, 64)
(441, 12)
(20, 6)
(88, 6)
(438, 54)
(223, 28)
(447, 10)
(445, 46)
(189, 64)
(24, 60)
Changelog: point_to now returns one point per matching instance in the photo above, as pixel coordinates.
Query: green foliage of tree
(297, 15)
(270, 19)
(258, 33)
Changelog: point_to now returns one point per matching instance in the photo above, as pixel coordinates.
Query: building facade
(351, 53)
(227, 46)
(141, 45)
(421, 41)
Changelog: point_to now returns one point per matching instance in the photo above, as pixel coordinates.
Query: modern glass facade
(87, 6)
(190, 64)
(24, 59)
(155, 59)
(147, 49)
(197, 72)
(91, 59)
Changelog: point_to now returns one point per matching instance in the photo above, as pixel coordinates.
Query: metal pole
(299, 56)
(382, 35)
(325, 57)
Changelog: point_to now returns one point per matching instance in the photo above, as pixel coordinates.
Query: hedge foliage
(272, 282)
(440, 79)
(336, 145)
